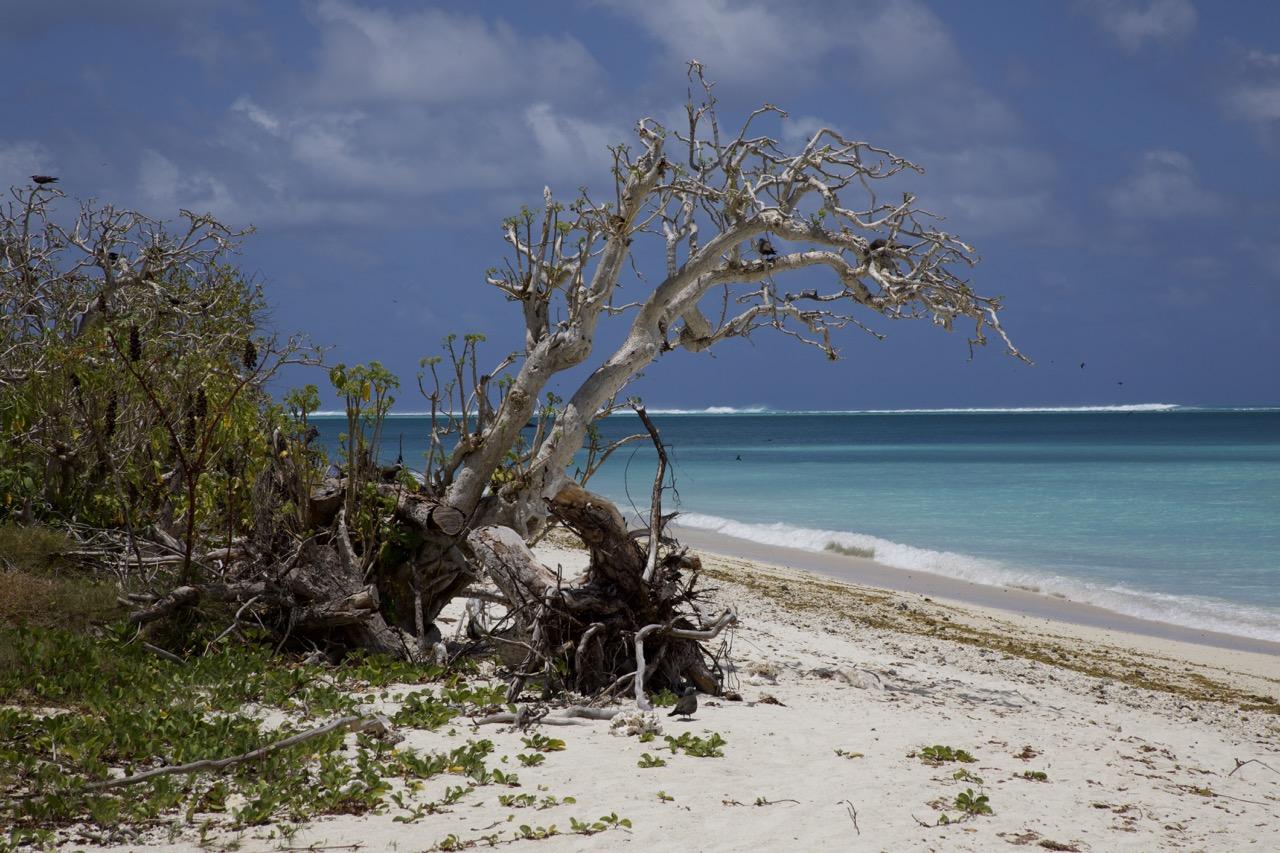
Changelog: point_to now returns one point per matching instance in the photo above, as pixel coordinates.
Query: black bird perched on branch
(44, 179)
(880, 258)
(766, 250)
(687, 704)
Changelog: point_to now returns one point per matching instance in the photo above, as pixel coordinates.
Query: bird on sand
(766, 250)
(687, 704)
(44, 179)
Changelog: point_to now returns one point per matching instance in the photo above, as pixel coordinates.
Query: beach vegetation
(542, 743)
(84, 709)
(970, 804)
(939, 754)
(522, 801)
(609, 821)
(534, 833)
(40, 586)
(647, 761)
(700, 747)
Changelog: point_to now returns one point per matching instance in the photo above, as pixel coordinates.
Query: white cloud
(740, 41)
(983, 172)
(162, 183)
(566, 143)
(1164, 186)
(433, 56)
(987, 176)
(399, 109)
(256, 114)
(1134, 23)
(20, 160)
(1253, 95)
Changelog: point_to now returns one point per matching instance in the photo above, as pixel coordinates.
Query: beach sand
(841, 685)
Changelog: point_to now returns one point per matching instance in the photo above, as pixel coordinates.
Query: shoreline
(1001, 600)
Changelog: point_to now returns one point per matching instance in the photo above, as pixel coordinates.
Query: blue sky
(1115, 164)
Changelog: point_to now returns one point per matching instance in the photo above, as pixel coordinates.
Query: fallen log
(375, 723)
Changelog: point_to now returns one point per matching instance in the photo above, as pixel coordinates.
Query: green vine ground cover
(75, 710)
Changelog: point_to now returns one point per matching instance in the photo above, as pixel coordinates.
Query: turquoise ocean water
(1157, 511)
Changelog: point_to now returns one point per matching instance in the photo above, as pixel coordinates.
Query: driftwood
(429, 514)
(592, 622)
(576, 715)
(702, 678)
(356, 723)
(655, 505)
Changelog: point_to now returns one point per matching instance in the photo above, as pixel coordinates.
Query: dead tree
(733, 214)
(708, 198)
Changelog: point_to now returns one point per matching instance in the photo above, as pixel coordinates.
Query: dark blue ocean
(1160, 512)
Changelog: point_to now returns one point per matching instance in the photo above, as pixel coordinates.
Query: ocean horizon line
(1102, 408)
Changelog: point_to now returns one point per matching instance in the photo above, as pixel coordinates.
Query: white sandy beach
(1137, 737)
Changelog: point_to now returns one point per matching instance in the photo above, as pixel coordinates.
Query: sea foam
(1188, 611)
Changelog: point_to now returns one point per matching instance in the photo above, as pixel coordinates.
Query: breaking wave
(715, 410)
(1125, 407)
(1188, 611)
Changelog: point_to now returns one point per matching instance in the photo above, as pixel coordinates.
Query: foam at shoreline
(1188, 611)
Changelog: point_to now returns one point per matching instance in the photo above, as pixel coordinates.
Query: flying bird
(687, 704)
(766, 250)
(44, 179)
(1082, 365)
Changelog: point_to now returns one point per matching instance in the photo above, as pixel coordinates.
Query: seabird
(881, 259)
(389, 474)
(688, 703)
(44, 179)
(766, 250)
